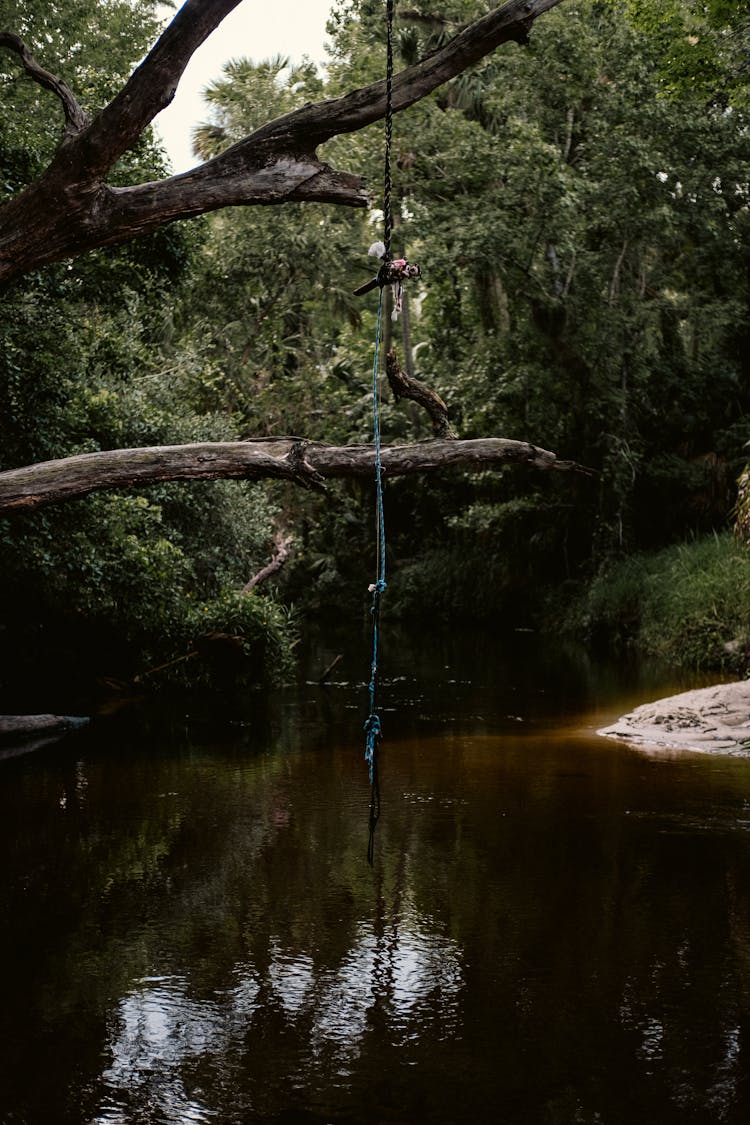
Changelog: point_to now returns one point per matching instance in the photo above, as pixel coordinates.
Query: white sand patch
(714, 720)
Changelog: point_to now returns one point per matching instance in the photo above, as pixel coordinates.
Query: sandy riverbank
(714, 720)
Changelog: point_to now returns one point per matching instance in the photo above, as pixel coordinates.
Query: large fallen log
(22, 734)
(307, 463)
(16, 725)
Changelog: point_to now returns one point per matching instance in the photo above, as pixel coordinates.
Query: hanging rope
(393, 271)
(387, 217)
(373, 728)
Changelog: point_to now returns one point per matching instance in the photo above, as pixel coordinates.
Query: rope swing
(392, 272)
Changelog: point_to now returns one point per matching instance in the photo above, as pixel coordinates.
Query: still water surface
(555, 929)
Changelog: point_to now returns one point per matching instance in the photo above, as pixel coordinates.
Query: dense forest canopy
(579, 204)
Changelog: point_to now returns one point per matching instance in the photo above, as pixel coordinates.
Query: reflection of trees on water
(163, 1037)
(548, 927)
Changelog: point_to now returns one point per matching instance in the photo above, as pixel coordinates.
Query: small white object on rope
(393, 272)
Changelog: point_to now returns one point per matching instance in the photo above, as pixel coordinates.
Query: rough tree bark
(71, 209)
(309, 464)
(404, 385)
(282, 543)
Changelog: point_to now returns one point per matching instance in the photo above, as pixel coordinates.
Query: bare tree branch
(509, 23)
(151, 87)
(282, 542)
(405, 386)
(283, 459)
(70, 209)
(75, 118)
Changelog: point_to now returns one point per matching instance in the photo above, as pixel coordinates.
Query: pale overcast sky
(256, 29)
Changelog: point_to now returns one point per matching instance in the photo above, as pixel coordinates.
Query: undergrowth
(688, 605)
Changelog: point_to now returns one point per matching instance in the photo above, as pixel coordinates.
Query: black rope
(374, 812)
(387, 217)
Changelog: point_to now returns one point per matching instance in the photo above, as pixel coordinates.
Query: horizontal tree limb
(305, 463)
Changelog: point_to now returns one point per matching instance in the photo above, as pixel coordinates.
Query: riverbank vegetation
(687, 606)
(579, 206)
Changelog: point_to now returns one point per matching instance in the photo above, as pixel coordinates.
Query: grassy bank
(688, 605)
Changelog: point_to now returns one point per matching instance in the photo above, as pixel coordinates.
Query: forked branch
(71, 208)
(405, 386)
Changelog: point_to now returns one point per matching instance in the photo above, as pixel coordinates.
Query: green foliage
(92, 358)
(579, 209)
(688, 605)
(702, 46)
(247, 95)
(237, 638)
(138, 570)
(133, 565)
(585, 288)
(587, 281)
(92, 44)
(272, 294)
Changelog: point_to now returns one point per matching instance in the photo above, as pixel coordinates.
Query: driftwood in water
(22, 734)
(34, 724)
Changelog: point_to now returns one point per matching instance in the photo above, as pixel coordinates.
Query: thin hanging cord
(373, 729)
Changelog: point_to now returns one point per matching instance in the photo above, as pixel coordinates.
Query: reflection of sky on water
(413, 974)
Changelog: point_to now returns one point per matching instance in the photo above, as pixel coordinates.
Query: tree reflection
(162, 1033)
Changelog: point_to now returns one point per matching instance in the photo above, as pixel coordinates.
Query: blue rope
(373, 728)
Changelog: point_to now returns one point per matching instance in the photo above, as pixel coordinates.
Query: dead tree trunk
(309, 464)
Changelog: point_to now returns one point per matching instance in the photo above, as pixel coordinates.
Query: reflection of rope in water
(374, 810)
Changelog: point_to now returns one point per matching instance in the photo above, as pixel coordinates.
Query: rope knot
(393, 272)
(373, 731)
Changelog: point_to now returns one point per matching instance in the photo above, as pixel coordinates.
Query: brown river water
(555, 927)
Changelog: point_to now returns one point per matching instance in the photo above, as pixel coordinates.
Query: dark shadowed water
(556, 928)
